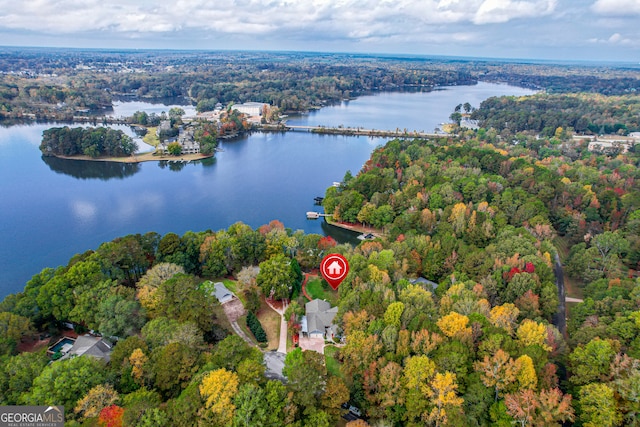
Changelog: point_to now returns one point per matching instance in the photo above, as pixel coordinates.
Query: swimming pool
(62, 346)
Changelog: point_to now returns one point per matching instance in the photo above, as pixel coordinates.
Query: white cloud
(499, 11)
(617, 7)
(616, 39)
(348, 18)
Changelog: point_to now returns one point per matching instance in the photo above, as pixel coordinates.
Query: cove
(51, 209)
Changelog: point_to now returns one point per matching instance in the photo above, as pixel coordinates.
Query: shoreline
(355, 227)
(138, 158)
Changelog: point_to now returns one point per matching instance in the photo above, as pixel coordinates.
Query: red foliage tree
(111, 416)
(326, 243)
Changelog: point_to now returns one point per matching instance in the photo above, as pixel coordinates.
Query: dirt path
(304, 287)
(234, 310)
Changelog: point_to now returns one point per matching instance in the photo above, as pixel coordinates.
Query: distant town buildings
(185, 138)
(250, 108)
(613, 144)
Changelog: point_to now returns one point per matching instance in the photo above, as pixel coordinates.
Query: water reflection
(86, 169)
(178, 165)
(340, 234)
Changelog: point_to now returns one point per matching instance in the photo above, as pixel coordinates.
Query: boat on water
(367, 236)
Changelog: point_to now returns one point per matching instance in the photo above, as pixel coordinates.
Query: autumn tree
(442, 392)
(98, 398)
(504, 316)
(455, 325)
(532, 333)
(335, 395)
(151, 281)
(418, 371)
(497, 371)
(138, 360)
(526, 377)
(218, 389)
(111, 416)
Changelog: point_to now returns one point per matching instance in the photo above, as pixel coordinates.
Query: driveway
(234, 310)
(275, 362)
(315, 344)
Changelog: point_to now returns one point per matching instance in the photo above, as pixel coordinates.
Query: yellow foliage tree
(218, 388)
(526, 373)
(532, 333)
(504, 316)
(442, 392)
(96, 399)
(457, 217)
(417, 371)
(357, 423)
(393, 314)
(137, 360)
(455, 325)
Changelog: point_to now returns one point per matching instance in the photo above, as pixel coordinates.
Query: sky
(593, 30)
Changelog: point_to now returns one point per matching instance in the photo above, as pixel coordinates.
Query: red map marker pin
(334, 268)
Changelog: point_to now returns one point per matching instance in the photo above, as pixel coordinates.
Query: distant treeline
(544, 113)
(94, 142)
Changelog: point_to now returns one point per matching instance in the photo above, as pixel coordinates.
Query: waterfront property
(88, 345)
(186, 140)
(318, 320)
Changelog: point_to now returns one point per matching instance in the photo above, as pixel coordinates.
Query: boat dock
(315, 215)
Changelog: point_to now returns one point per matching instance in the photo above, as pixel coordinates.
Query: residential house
(221, 292)
(88, 345)
(318, 320)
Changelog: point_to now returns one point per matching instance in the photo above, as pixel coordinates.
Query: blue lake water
(51, 208)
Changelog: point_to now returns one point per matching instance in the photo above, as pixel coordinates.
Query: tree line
(544, 113)
(93, 142)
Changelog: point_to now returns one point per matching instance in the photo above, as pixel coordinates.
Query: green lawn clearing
(317, 288)
(333, 366)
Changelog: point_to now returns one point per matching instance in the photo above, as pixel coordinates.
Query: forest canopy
(94, 142)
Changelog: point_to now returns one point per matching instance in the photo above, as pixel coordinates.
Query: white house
(249, 108)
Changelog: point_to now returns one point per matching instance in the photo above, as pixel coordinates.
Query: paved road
(560, 318)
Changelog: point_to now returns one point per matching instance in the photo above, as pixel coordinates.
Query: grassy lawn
(270, 321)
(315, 289)
(333, 366)
(151, 138)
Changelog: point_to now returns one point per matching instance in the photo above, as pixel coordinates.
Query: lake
(52, 208)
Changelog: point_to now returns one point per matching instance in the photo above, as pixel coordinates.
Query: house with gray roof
(318, 320)
(222, 293)
(87, 345)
